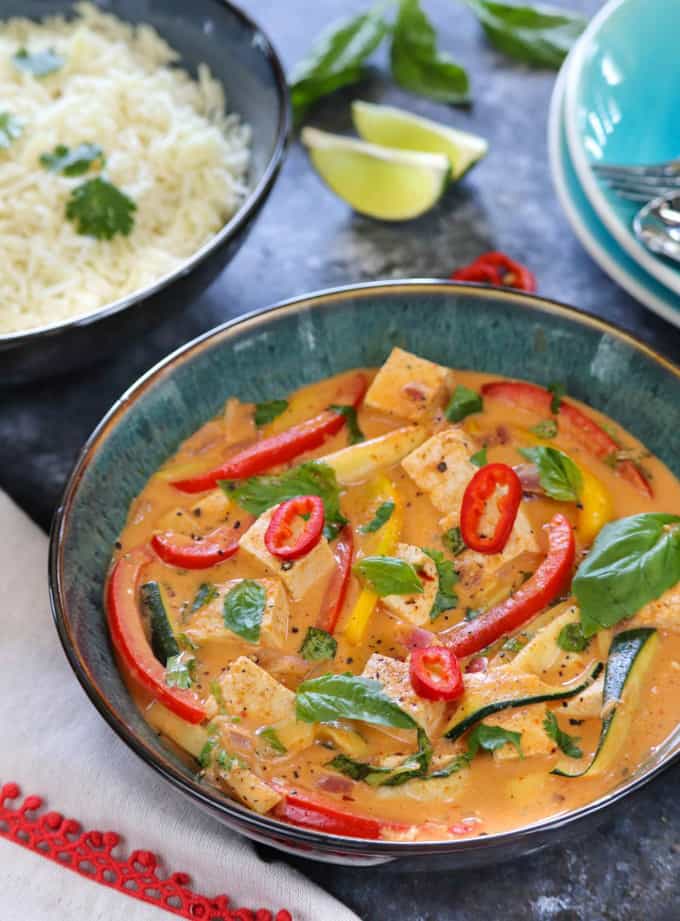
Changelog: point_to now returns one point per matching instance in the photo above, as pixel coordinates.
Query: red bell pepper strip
(496, 268)
(550, 580)
(478, 492)
(130, 642)
(281, 448)
(302, 808)
(339, 582)
(580, 426)
(435, 673)
(188, 553)
(280, 538)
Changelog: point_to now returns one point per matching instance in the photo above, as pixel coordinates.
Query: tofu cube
(251, 692)
(441, 467)
(299, 576)
(394, 677)
(415, 608)
(408, 386)
(207, 624)
(249, 789)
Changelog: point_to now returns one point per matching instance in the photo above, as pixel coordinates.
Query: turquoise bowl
(263, 355)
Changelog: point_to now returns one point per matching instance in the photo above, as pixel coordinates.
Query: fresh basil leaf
(559, 476)
(453, 541)
(38, 63)
(388, 575)
(75, 161)
(350, 414)
(463, 403)
(10, 129)
(491, 738)
(446, 597)
(415, 765)
(336, 58)
(334, 697)
(244, 609)
(205, 594)
(545, 429)
(271, 736)
(268, 411)
(558, 391)
(179, 670)
(633, 561)
(566, 743)
(318, 644)
(314, 478)
(479, 459)
(571, 638)
(417, 65)
(382, 516)
(99, 209)
(541, 36)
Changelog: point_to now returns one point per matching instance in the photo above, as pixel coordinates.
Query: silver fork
(641, 183)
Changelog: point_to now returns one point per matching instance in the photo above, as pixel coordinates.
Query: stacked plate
(617, 100)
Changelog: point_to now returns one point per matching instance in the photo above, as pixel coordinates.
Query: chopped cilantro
(100, 210)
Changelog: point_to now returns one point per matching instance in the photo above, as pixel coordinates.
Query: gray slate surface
(305, 240)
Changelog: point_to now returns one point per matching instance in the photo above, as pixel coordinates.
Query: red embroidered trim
(89, 853)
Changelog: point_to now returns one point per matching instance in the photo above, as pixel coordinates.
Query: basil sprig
(346, 696)
(244, 609)
(318, 644)
(350, 414)
(482, 738)
(558, 475)
(388, 575)
(463, 403)
(206, 593)
(268, 411)
(566, 743)
(633, 561)
(414, 766)
(446, 598)
(382, 515)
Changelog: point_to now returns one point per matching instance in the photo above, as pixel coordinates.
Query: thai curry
(411, 604)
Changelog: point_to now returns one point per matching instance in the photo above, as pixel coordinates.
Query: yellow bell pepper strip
(596, 508)
(363, 460)
(383, 490)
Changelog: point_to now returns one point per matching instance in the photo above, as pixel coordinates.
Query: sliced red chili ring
(490, 479)
(435, 673)
(187, 553)
(495, 268)
(281, 539)
(478, 271)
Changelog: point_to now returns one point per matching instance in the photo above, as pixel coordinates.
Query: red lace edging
(89, 853)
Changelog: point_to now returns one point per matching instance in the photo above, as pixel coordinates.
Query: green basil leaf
(545, 429)
(75, 161)
(314, 478)
(350, 414)
(336, 58)
(318, 644)
(490, 738)
(571, 638)
(541, 36)
(417, 65)
(463, 403)
(559, 476)
(558, 391)
(10, 129)
(479, 459)
(633, 561)
(334, 697)
(382, 516)
(179, 670)
(268, 411)
(205, 594)
(566, 743)
(415, 765)
(388, 575)
(38, 63)
(272, 737)
(244, 609)
(446, 597)
(453, 541)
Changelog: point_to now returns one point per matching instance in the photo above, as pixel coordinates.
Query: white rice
(168, 145)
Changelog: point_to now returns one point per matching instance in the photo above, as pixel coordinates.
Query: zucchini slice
(558, 693)
(163, 640)
(630, 657)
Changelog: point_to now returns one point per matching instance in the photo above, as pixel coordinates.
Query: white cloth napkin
(55, 745)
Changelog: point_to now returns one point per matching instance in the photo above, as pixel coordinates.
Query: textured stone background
(305, 239)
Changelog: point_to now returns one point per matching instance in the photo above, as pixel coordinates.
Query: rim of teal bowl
(265, 827)
(236, 222)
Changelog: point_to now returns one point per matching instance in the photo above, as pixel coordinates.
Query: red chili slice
(281, 448)
(301, 808)
(572, 420)
(339, 583)
(489, 480)
(435, 673)
(188, 553)
(280, 538)
(496, 268)
(550, 580)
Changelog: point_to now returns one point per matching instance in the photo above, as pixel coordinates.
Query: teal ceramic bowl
(265, 354)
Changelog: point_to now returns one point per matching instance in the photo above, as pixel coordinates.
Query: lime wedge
(396, 128)
(392, 185)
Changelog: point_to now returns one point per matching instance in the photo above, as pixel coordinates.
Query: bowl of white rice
(138, 140)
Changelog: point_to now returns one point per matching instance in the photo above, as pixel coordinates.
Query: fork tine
(644, 183)
(670, 168)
